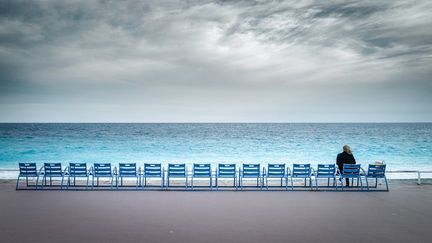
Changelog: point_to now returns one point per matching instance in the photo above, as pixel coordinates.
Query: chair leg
(316, 183)
(266, 182)
(341, 181)
(385, 179)
(16, 187)
(61, 185)
(292, 184)
(37, 182)
(87, 183)
(367, 183)
(43, 182)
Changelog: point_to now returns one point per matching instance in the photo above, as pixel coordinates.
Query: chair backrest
(152, 170)
(127, 169)
(376, 171)
(78, 169)
(178, 170)
(276, 170)
(202, 170)
(351, 169)
(226, 170)
(53, 169)
(102, 169)
(326, 170)
(301, 170)
(251, 170)
(28, 169)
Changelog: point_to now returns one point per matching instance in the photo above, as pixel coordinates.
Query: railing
(418, 172)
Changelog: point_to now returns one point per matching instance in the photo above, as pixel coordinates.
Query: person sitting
(346, 157)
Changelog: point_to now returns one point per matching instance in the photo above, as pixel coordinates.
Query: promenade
(402, 215)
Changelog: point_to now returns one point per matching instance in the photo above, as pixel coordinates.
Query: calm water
(402, 146)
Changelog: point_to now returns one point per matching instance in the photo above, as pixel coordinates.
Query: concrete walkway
(402, 215)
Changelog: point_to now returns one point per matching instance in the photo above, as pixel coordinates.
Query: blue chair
(227, 171)
(51, 170)
(351, 171)
(128, 170)
(177, 171)
(153, 171)
(77, 170)
(251, 171)
(102, 170)
(376, 172)
(302, 171)
(202, 171)
(278, 171)
(27, 170)
(325, 171)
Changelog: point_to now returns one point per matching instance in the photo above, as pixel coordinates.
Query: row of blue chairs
(201, 171)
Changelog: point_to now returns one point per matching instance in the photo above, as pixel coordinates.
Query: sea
(402, 146)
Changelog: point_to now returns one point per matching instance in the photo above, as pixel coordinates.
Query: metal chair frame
(351, 171)
(325, 171)
(103, 170)
(302, 171)
(27, 170)
(251, 171)
(376, 172)
(202, 171)
(276, 171)
(226, 171)
(128, 170)
(177, 171)
(79, 170)
(51, 170)
(153, 171)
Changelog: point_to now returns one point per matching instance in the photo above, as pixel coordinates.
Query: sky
(215, 61)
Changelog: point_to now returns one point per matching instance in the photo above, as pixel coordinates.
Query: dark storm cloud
(215, 60)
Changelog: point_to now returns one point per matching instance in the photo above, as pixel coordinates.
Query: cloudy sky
(215, 61)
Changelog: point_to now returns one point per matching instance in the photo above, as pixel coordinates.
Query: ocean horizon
(402, 146)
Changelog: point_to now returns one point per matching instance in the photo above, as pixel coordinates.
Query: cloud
(215, 60)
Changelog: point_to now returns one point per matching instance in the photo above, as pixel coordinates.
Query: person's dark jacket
(344, 158)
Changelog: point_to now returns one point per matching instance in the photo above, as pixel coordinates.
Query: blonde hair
(347, 149)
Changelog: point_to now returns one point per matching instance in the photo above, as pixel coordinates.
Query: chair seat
(375, 176)
(28, 174)
(350, 175)
(276, 176)
(325, 176)
(60, 174)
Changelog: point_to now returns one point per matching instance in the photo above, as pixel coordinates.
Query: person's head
(347, 149)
